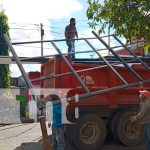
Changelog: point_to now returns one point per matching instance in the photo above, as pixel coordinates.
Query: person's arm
(66, 32)
(143, 111)
(141, 114)
(76, 33)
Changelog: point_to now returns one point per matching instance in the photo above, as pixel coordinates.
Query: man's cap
(145, 93)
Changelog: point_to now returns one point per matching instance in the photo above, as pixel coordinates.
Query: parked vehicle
(108, 94)
(113, 87)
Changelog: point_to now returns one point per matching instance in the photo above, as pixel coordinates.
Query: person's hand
(69, 99)
(133, 119)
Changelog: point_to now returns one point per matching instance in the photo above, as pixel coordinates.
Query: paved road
(112, 145)
(28, 137)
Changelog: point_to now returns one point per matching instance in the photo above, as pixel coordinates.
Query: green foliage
(4, 69)
(128, 17)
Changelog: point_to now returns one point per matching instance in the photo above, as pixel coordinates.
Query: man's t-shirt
(57, 115)
(70, 32)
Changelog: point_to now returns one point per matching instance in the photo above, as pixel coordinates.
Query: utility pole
(42, 35)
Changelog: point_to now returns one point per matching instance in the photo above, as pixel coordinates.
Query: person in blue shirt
(56, 123)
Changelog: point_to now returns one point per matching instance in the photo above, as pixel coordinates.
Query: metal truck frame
(107, 88)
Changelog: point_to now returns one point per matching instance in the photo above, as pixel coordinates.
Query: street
(28, 137)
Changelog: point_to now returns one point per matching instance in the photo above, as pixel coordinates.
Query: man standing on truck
(144, 116)
(70, 33)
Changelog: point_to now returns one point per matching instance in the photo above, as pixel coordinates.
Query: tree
(4, 51)
(128, 17)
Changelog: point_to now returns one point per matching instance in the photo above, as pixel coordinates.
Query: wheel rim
(132, 130)
(89, 132)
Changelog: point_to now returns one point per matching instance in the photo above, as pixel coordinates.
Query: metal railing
(101, 59)
(88, 93)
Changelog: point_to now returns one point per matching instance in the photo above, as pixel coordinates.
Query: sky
(25, 17)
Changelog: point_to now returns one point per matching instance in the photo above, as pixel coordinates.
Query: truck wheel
(113, 123)
(89, 132)
(127, 132)
(69, 133)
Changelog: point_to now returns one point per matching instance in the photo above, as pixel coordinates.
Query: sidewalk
(20, 136)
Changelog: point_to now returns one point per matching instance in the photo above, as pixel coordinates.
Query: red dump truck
(108, 89)
(105, 113)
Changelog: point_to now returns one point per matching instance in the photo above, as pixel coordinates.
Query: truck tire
(126, 132)
(69, 134)
(89, 132)
(113, 123)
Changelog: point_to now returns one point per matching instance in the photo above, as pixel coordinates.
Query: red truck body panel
(97, 79)
(36, 84)
(34, 75)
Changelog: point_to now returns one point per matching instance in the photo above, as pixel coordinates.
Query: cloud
(34, 12)
(28, 14)
(15, 70)
(39, 10)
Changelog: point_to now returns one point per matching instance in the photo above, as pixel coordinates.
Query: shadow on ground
(109, 145)
(30, 146)
(39, 146)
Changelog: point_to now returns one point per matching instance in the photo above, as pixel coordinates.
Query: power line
(23, 29)
(36, 30)
(26, 24)
(57, 28)
(68, 21)
(36, 24)
(51, 27)
(55, 32)
(26, 36)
